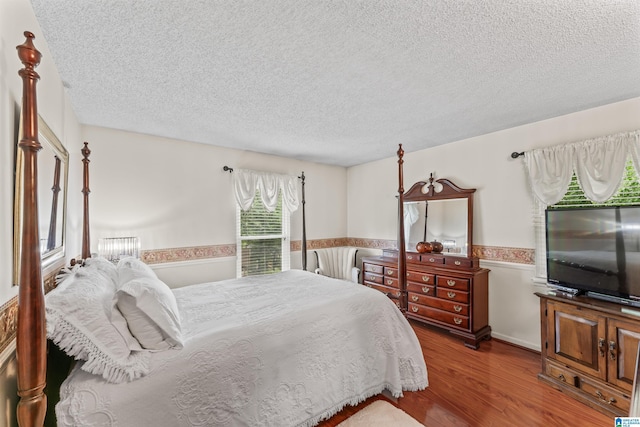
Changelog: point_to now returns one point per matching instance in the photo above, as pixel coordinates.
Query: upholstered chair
(339, 263)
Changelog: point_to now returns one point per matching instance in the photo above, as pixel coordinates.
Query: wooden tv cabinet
(589, 349)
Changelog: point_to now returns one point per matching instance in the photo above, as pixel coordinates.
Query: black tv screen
(595, 249)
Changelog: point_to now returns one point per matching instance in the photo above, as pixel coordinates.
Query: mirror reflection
(443, 221)
(53, 160)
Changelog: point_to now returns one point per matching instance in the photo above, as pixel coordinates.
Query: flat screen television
(595, 250)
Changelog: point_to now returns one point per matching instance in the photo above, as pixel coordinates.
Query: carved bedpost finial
(30, 58)
(28, 54)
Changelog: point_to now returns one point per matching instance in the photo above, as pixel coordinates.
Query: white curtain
(411, 215)
(599, 164)
(246, 182)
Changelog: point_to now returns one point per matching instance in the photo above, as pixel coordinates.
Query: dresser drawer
(442, 316)
(431, 259)
(413, 257)
(451, 306)
(390, 292)
(458, 262)
(453, 283)
(421, 289)
(418, 277)
(390, 281)
(373, 268)
(452, 295)
(605, 394)
(562, 373)
(373, 278)
(418, 298)
(390, 272)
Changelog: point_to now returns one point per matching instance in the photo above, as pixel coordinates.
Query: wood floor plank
(496, 385)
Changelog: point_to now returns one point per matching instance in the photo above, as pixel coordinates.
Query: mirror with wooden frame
(53, 166)
(439, 211)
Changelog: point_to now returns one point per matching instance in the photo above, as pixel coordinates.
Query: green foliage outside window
(627, 194)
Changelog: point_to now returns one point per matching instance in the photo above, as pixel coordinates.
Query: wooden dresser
(449, 292)
(589, 350)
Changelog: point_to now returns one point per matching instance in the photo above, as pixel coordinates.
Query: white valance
(246, 182)
(599, 164)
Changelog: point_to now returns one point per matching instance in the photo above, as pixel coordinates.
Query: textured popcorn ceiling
(343, 81)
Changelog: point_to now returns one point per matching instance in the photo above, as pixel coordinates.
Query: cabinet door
(577, 338)
(622, 349)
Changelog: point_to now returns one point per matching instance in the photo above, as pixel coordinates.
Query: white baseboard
(515, 341)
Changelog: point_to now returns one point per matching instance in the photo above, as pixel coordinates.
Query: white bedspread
(281, 350)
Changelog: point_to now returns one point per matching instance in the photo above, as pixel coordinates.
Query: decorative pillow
(130, 268)
(82, 321)
(151, 310)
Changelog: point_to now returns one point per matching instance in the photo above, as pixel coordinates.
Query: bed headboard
(31, 339)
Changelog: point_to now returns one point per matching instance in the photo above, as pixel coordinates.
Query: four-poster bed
(291, 348)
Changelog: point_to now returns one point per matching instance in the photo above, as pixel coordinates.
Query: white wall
(502, 203)
(174, 194)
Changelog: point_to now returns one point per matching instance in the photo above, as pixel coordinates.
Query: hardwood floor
(496, 385)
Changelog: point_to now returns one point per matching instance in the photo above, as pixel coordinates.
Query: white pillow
(151, 310)
(80, 312)
(130, 268)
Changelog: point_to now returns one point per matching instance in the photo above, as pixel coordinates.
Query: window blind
(262, 239)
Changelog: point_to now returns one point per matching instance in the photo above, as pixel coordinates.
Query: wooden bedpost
(402, 251)
(304, 228)
(53, 221)
(86, 249)
(31, 341)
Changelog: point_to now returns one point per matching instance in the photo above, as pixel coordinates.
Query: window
(627, 194)
(262, 239)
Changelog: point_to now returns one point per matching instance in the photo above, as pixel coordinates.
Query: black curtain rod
(514, 155)
(227, 169)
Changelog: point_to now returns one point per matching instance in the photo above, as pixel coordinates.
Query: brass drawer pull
(410, 257)
(451, 294)
(457, 308)
(389, 282)
(414, 309)
(601, 346)
(414, 298)
(432, 260)
(457, 321)
(397, 294)
(457, 263)
(451, 282)
(425, 289)
(562, 378)
(425, 279)
(604, 399)
(368, 285)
